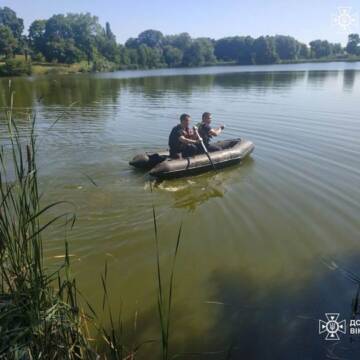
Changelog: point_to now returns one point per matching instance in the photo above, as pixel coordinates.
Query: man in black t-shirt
(207, 132)
(182, 140)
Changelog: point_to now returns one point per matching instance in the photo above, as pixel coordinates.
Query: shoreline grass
(45, 68)
(36, 318)
(40, 68)
(41, 316)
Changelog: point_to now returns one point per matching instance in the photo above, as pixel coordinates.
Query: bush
(15, 67)
(102, 64)
(38, 57)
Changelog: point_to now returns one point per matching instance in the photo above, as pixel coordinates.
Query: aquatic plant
(38, 318)
(165, 293)
(40, 314)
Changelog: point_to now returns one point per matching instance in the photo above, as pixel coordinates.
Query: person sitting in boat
(207, 132)
(182, 140)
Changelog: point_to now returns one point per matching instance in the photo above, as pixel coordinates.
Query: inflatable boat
(163, 167)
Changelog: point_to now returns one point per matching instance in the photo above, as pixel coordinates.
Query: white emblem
(332, 326)
(345, 18)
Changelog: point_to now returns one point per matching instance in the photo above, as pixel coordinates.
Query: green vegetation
(165, 294)
(353, 45)
(35, 317)
(78, 38)
(15, 67)
(41, 316)
(43, 68)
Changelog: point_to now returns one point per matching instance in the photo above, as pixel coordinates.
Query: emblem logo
(332, 326)
(345, 18)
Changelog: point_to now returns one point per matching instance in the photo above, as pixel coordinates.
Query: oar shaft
(204, 147)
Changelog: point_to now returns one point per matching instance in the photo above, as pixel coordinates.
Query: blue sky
(306, 20)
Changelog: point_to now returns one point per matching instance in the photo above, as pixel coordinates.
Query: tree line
(72, 38)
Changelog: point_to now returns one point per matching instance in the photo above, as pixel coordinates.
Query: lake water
(266, 245)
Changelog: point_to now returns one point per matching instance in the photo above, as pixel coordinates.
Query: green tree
(133, 56)
(8, 43)
(59, 41)
(353, 45)
(236, 48)
(246, 51)
(132, 43)
(109, 33)
(264, 50)
(336, 49)
(106, 44)
(154, 58)
(8, 18)
(193, 55)
(149, 57)
(150, 38)
(85, 30)
(304, 52)
(286, 47)
(320, 48)
(108, 49)
(128, 57)
(73, 37)
(143, 51)
(200, 52)
(36, 36)
(228, 49)
(207, 46)
(181, 41)
(172, 55)
(64, 51)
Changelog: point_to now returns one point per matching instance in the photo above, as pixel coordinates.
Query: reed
(38, 319)
(165, 293)
(40, 312)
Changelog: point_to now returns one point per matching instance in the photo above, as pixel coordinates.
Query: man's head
(206, 117)
(185, 120)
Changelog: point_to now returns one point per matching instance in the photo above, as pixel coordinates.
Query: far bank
(18, 66)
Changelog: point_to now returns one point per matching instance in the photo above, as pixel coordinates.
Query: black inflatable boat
(163, 167)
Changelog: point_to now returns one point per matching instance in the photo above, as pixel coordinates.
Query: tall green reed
(40, 313)
(165, 293)
(37, 320)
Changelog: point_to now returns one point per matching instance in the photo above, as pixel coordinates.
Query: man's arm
(185, 140)
(216, 131)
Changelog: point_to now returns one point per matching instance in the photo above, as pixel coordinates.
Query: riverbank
(20, 67)
(323, 60)
(39, 68)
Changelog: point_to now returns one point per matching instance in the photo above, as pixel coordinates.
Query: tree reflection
(349, 79)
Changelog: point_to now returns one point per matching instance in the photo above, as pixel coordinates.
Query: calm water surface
(264, 243)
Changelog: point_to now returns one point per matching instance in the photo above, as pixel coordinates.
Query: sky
(304, 19)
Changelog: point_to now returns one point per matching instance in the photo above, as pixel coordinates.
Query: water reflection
(190, 193)
(319, 78)
(87, 90)
(249, 319)
(349, 79)
(264, 80)
(61, 90)
(154, 88)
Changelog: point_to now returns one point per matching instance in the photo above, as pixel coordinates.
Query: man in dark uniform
(207, 132)
(182, 140)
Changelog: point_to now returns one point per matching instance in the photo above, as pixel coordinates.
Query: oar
(204, 147)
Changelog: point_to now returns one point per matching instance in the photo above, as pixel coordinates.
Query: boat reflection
(190, 193)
